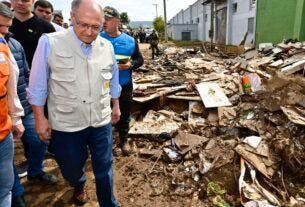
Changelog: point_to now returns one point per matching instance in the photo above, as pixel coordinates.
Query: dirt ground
(137, 181)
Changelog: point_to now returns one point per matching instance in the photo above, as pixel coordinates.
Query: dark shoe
(18, 201)
(45, 178)
(80, 196)
(124, 147)
(22, 169)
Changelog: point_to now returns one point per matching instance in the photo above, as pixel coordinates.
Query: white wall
(175, 31)
(180, 17)
(240, 21)
(237, 23)
(187, 16)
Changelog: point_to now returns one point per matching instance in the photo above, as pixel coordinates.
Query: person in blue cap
(129, 58)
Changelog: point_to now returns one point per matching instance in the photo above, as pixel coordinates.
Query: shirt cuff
(116, 94)
(35, 100)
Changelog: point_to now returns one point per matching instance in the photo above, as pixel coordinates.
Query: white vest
(79, 86)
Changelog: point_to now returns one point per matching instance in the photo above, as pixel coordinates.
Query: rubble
(210, 123)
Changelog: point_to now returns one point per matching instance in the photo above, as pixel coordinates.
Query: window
(234, 8)
(198, 19)
(206, 17)
(252, 4)
(251, 25)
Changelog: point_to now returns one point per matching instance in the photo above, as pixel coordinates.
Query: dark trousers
(71, 152)
(154, 50)
(34, 148)
(125, 107)
(18, 189)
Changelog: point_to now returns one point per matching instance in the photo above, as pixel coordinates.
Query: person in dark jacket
(153, 39)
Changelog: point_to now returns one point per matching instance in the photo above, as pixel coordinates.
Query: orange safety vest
(5, 120)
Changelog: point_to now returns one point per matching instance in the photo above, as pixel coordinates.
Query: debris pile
(230, 130)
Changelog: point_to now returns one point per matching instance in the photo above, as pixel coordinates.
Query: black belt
(2, 97)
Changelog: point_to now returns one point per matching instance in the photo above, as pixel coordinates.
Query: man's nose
(89, 31)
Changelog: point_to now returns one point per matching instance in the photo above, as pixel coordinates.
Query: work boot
(80, 196)
(124, 147)
(18, 201)
(45, 178)
(22, 169)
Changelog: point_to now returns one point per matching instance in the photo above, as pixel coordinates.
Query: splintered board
(212, 95)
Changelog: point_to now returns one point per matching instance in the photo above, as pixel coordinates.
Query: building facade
(234, 20)
(280, 19)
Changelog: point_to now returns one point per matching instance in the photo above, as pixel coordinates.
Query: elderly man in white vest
(76, 72)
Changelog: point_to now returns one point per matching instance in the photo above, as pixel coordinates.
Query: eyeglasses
(84, 26)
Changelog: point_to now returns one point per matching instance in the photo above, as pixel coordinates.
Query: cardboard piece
(261, 158)
(188, 141)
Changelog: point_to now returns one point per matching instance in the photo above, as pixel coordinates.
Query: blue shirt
(37, 92)
(123, 45)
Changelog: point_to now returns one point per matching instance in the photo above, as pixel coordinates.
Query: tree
(159, 24)
(124, 18)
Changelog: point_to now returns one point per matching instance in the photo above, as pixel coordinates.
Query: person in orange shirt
(10, 111)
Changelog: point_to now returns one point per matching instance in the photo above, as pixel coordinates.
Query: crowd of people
(62, 88)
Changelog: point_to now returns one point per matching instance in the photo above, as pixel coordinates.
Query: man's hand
(124, 66)
(43, 128)
(116, 114)
(42, 125)
(18, 131)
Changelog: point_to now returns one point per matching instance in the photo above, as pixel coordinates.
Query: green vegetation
(124, 18)
(159, 24)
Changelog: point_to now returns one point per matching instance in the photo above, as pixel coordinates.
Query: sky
(138, 10)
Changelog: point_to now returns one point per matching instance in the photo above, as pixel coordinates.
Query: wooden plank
(277, 63)
(161, 92)
(187, 98)
(212, 95)
(294, 67)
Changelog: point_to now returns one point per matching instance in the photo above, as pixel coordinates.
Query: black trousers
(125, 107)
(155, 50)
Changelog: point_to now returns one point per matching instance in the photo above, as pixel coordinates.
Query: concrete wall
(240, 22)
(180, 17)
(175, 31)
(187, 16)
(207, 23)
(196, 11)
(280, 19)
(237, 22)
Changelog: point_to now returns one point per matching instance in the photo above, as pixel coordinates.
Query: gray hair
(5, 11)
(76, 3)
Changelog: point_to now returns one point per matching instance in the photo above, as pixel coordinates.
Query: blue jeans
(34, 148)
(6, 170)
(71, 152)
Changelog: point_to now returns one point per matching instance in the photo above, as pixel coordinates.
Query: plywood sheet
(212, 95)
